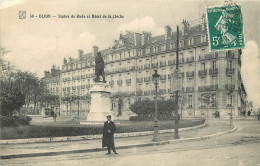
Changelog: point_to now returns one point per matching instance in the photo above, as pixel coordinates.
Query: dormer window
(172, 45)
(203, 38)
(191, 41)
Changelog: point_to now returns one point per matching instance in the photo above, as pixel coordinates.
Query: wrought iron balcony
(146, 66)
(208, 88)
(190, 89)
(230, 71)
(140, 67)
(83, 76)
(162, 91)
(111, 82)
(190, 74)
(147, 79)
(171, 62)
(128, 81)
(202, 73)
(155, 64)
(181, 60)
(139, 80)
(162, 64)
(139, 93)
(230, 87)
(190, 59)
(213, 71)
(132, 68)
(119, 82)
(147, 92)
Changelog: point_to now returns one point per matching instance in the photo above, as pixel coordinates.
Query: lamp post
(156, 124)
(231, 98)
(231, 101)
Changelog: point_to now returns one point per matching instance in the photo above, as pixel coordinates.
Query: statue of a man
(99, 68)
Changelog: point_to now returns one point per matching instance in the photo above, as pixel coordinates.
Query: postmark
(225, 27)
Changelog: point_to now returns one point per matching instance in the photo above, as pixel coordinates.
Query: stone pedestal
(100, 102)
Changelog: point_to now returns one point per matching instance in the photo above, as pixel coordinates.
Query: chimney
(80, 52)
(168, 32)
(65, 61)
(94, 51)
(46, 74)
(203, 20)
(145, 38)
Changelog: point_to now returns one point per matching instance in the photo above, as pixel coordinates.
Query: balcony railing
(147, 92)
(181, 60)
(162, 91)
(208, 88)
(154, 64)
(111, 82)
(190, 59)
(128, 81)
(163, 77)
(230, 87)
(190, 74)
(83, 76)
(146, 66)
(162, 64)
(82, 86)
(119, 82)
(140, 67)
(213, 71)
(230, 71)
(139, 93)
(190, 89)
(139, 80)
(147, 79)
(202, 73)
(171, 62)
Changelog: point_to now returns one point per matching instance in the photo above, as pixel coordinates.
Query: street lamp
(156, 124)
(231, 98)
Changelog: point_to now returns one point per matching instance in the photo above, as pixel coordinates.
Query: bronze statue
(99, 68)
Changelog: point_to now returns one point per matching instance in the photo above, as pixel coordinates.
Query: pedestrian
(248, 113)
(108, 135)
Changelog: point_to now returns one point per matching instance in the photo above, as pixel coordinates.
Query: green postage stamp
(225, 27)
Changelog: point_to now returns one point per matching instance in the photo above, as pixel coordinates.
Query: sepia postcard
(158, 82)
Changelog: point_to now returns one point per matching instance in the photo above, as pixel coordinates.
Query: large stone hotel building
(131, 61)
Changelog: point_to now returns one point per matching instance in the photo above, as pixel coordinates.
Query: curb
(90, 137)
(119, 147)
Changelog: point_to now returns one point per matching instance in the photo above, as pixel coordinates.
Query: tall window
(213, 104)
(190, 101)
(214, 65)
(203, 66)
(230, 64)
(229, 100)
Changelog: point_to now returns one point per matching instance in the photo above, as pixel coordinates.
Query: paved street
(238, 148)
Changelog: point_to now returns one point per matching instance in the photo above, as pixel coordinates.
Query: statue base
(100, 102)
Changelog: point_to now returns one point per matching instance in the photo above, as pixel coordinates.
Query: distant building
(52, 81)
(130, 63)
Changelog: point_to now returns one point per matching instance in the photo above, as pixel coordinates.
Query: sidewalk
(212, 128)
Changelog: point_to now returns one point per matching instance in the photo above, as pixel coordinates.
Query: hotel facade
(131, 61)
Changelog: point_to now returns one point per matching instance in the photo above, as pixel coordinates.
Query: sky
(36, 44)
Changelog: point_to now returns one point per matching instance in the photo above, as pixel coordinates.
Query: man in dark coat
(108, 135)
(99, 68)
